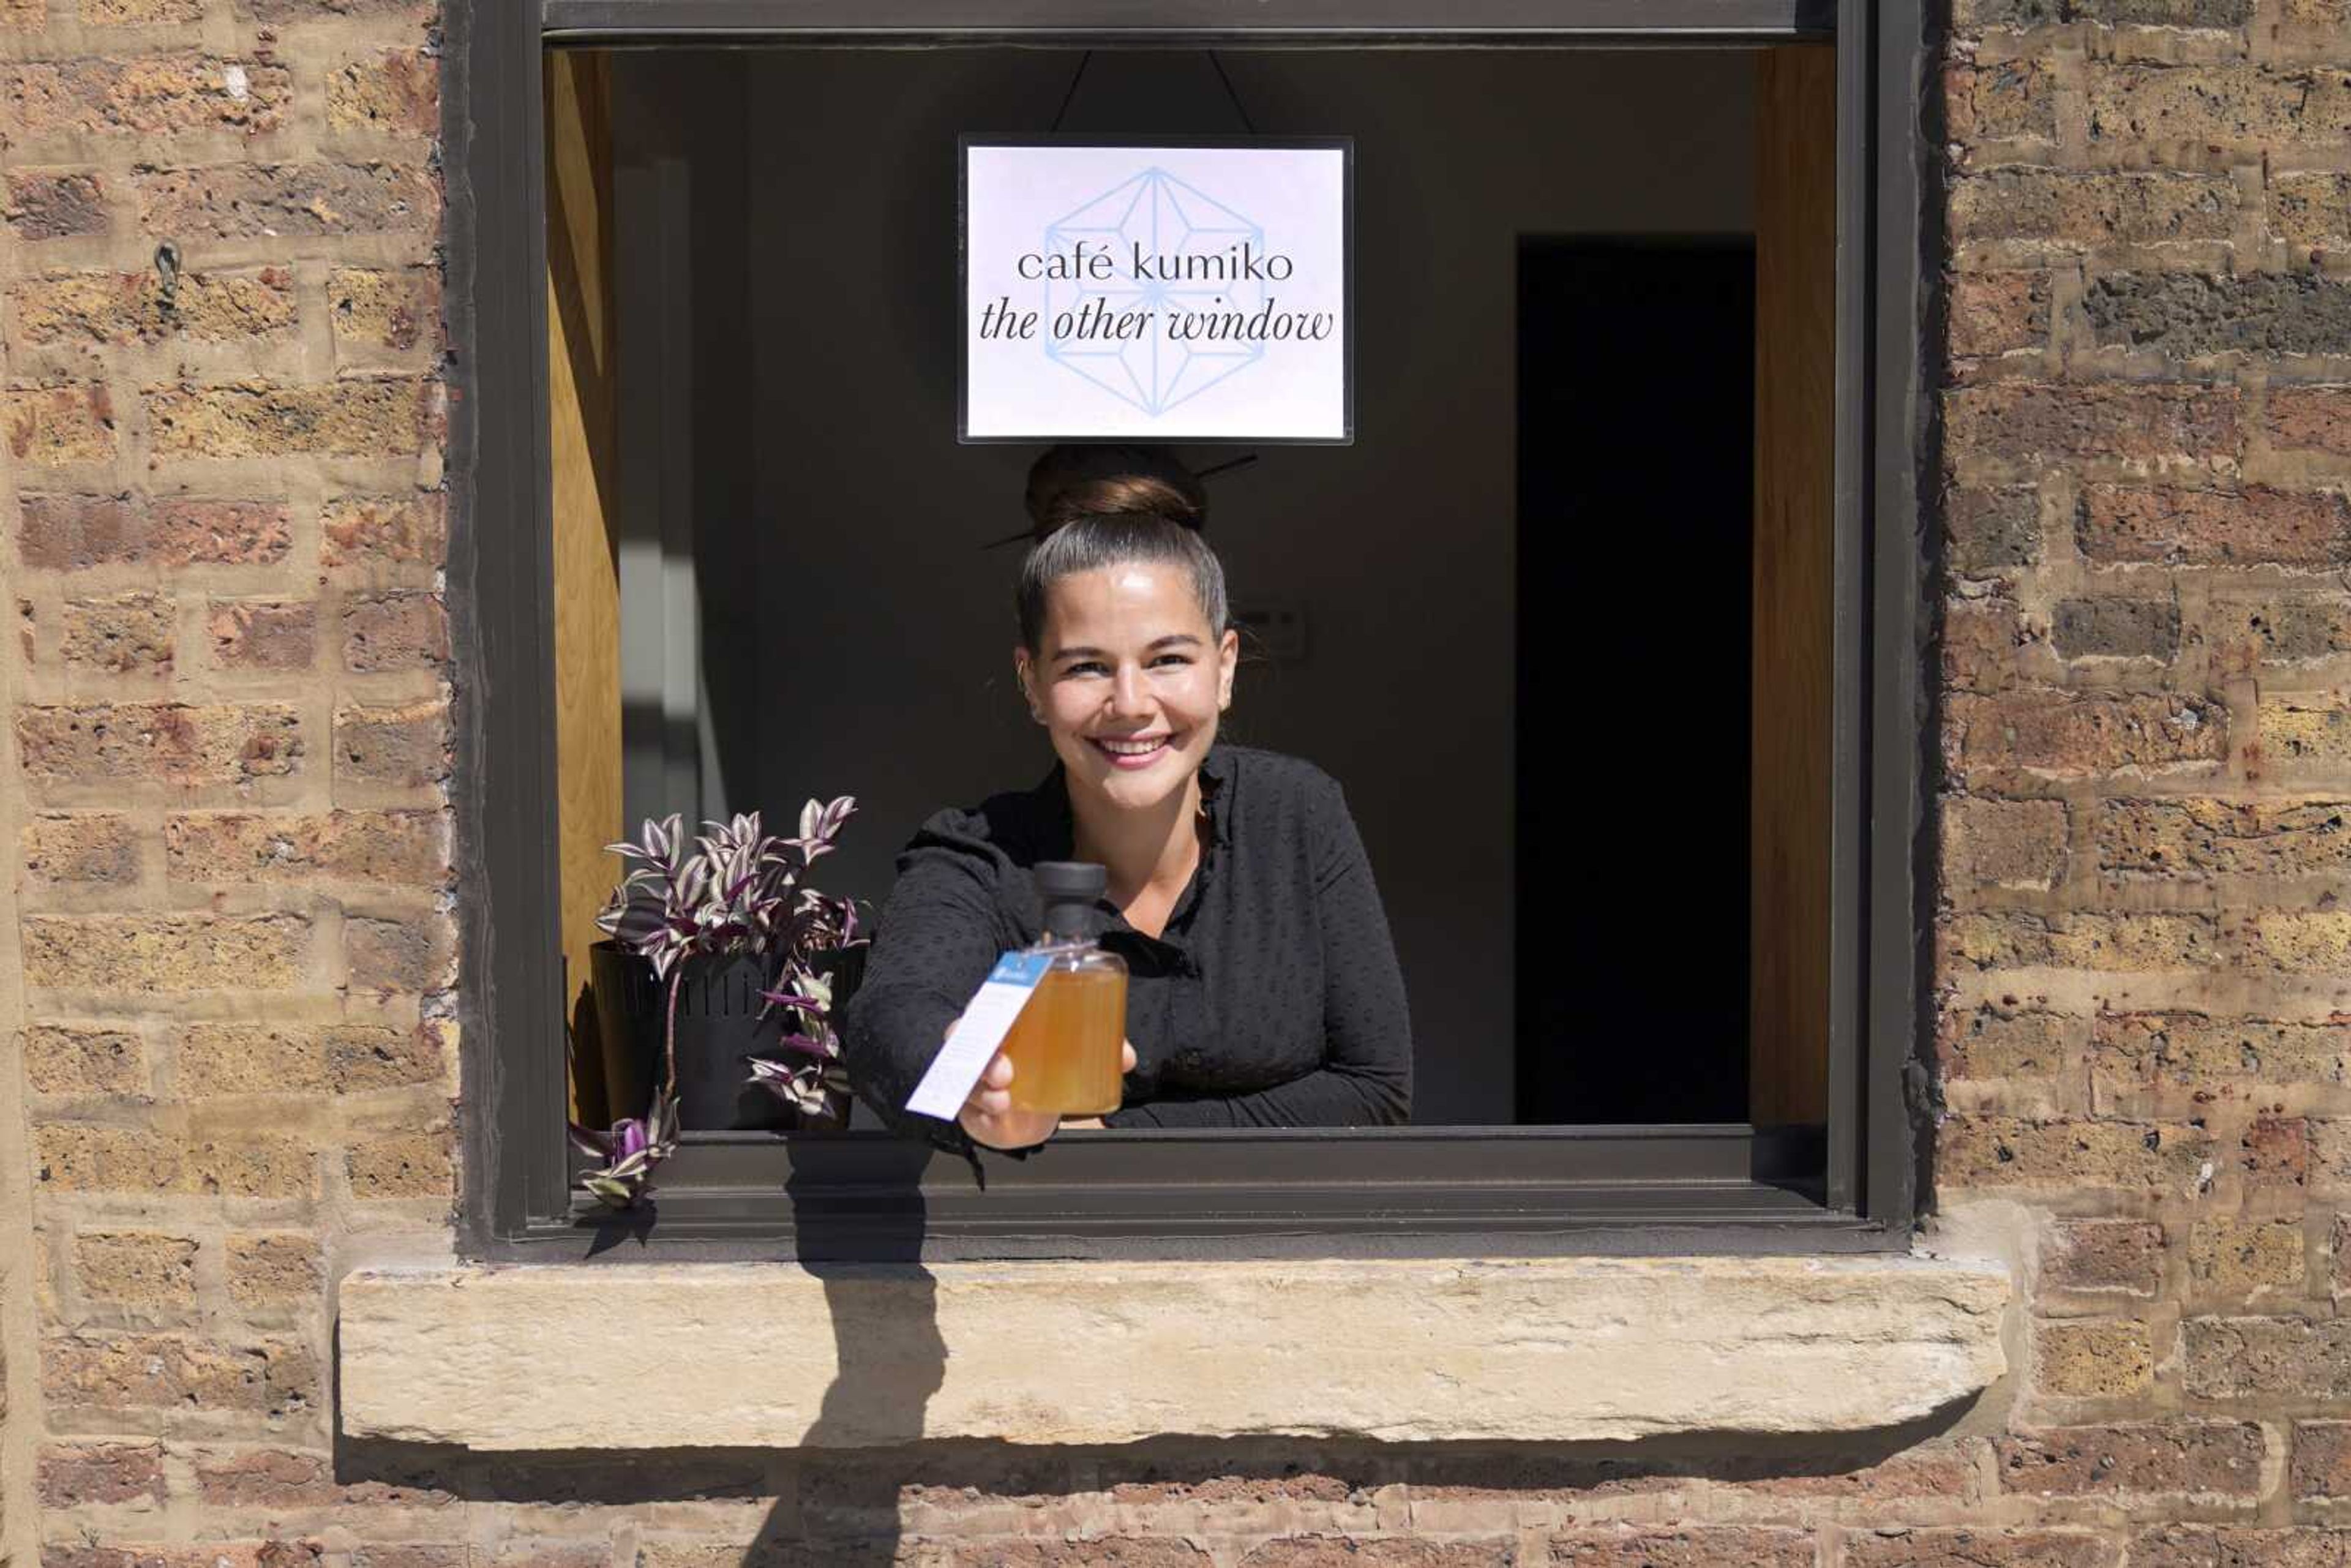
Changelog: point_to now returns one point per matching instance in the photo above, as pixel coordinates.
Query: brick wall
(230, 1061)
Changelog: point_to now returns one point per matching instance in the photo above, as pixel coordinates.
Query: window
(634, 235)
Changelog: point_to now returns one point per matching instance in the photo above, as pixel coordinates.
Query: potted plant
(724, 969)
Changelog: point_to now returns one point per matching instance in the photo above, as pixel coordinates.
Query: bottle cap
(1069, 889)
(1064, 879)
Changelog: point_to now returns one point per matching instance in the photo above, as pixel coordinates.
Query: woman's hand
(989, 1117)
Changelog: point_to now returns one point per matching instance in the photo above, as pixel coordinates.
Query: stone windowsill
(641, 1356)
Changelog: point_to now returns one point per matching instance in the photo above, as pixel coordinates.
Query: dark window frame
(1303, 1192)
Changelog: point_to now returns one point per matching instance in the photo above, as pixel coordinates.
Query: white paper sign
(967, 1051)
(1164, 293)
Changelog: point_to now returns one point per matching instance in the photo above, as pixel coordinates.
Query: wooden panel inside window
(1796, 401)
(583, 433)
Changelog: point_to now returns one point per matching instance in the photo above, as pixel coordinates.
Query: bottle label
(972, 1046)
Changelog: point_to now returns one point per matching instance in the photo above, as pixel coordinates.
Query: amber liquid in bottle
(1066, 1044)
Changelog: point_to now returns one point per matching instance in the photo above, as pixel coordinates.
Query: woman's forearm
(1327, 1097)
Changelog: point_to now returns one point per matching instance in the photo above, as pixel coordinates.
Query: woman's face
(1128, 679)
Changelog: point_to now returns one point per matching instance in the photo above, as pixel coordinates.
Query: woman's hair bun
(1073, 482)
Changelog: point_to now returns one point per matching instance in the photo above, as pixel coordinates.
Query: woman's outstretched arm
(937, 941)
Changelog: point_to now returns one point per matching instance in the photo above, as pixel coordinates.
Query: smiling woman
(1265, 988)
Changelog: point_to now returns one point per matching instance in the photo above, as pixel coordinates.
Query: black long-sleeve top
(1272, 998)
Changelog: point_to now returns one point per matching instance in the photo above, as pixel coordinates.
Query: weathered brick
(1981, 640)
(276, 11)
(2238, 1258)
(274, 1270)
(2317, 13)
(256, 1165)
(263, 633)
(2000, 1151)
(2269, 1357)
(362, 416)
(2192, 1051)
(392, 92)
(1957, 1547)
(2198, 838)
(121, 308)
(1998, 313)
(362, 1057)
(2078, 209)
(1722, 1546)
(2194, 1458)
(279, 1478)
(2321, 1466)
(1109, 1551)
(141, 13)
(2101, 1359)
(2003, 843)
(2069, 734)
(1992, 531)
(139, 953)
(170, 743)
(414, 1165)
(56, 206)
(145, 96)
(414, 954)
(290, 201)
(78, 1475)
(2240, 1546)
(271, 1377)
(2316, 942)
(2274, 1152)
(66, 1059)
(2312, 210)
(90, 1157)
(2112, 12)
(1992, 1042)
(2034, 422)
(569, 1552)
(394, 631)
(277, 1552)
(453, 1554)
(248, 1059)
(66, 532)
(286, 1058)
(2282, 630)
(2306, 729)
(2218, 105)
(143, 1268)
(122, 633)
(2330, 1142)
(2186, 314)
(2311, 419)
(2117, 943)
(87, 847)
(407, 744)
(24, 15)
(353, 846)
(384, 530)
(2109, 1257)
(47, 425)
(2116, 628)
(2002, 100)
(390, 311)
(2254, 526)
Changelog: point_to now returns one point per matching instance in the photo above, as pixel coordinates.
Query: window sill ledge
(772, 1354)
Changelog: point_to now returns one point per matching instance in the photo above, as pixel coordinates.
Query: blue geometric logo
(1167, 218)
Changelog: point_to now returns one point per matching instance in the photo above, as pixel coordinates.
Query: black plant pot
(720, 1025)
(628, 1027)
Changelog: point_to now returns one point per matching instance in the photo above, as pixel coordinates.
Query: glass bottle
(1065, 1045)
